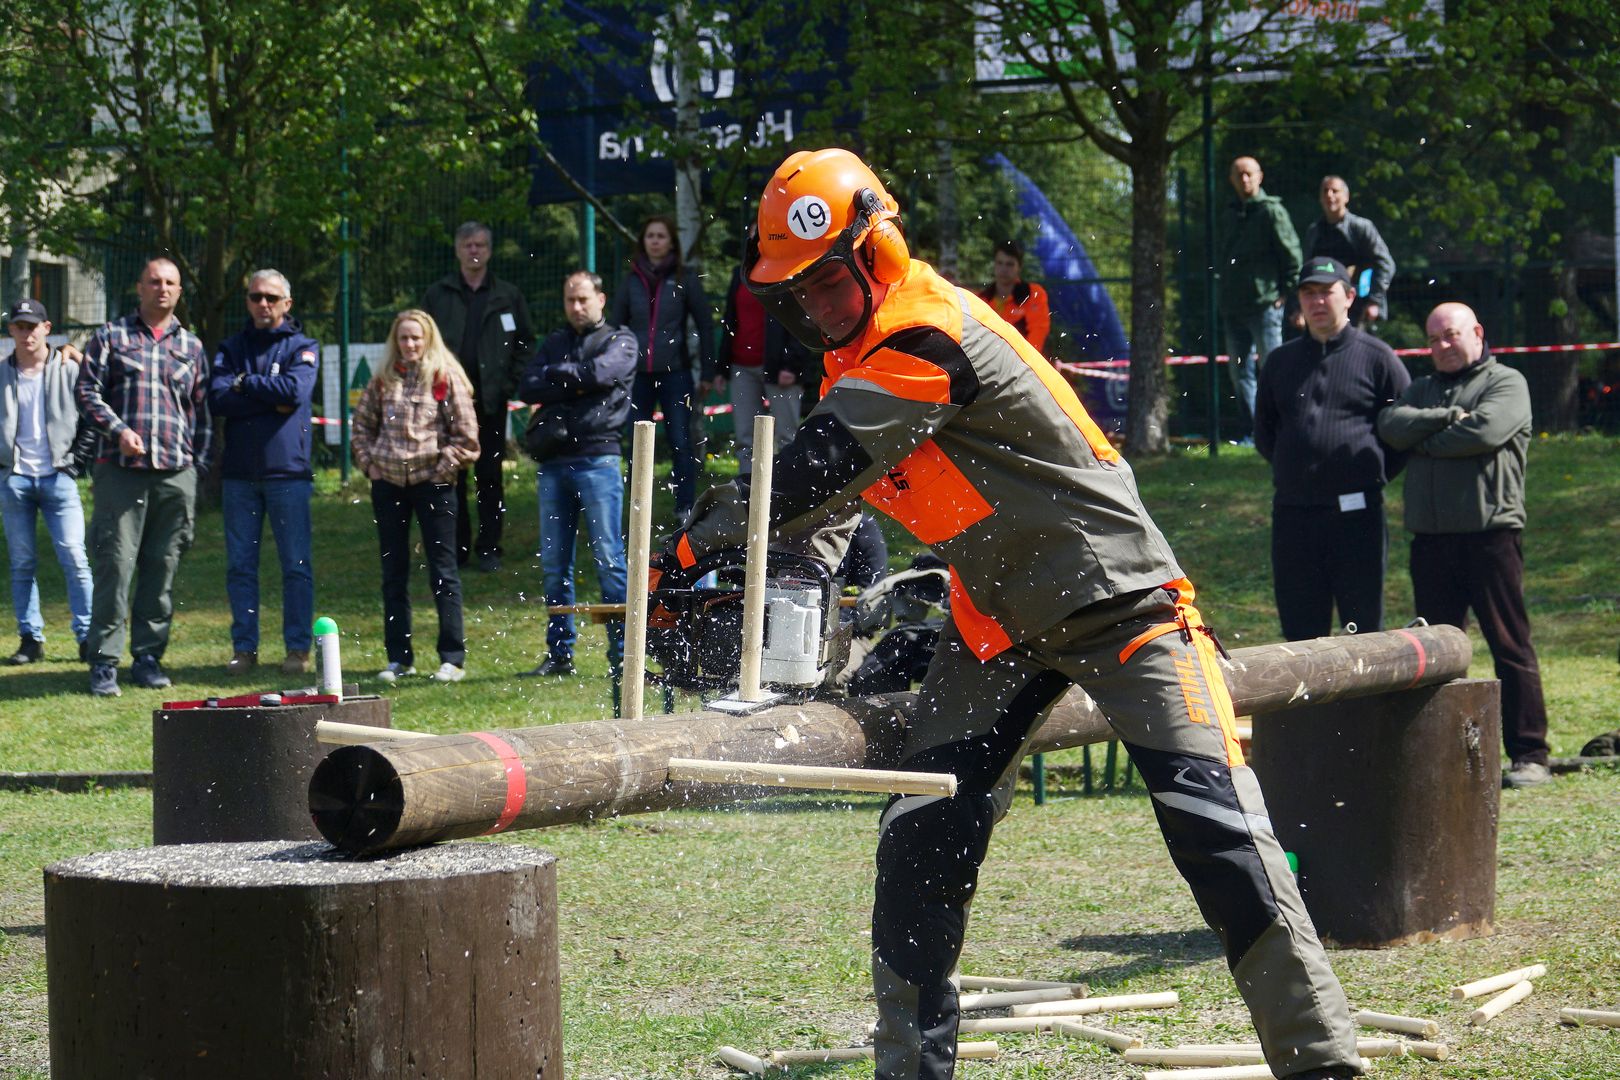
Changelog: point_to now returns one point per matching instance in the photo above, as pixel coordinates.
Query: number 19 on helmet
(826, 229)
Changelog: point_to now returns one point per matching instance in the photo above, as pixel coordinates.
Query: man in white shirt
(38, 424)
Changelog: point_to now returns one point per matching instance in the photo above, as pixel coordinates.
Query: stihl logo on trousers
(1192, 689)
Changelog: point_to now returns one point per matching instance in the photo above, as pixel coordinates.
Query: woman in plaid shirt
(413, 430)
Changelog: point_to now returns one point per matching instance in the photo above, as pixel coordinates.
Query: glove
(669, 558)
(719, 518)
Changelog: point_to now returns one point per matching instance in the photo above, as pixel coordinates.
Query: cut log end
(356, 799)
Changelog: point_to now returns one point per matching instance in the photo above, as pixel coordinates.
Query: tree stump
(1390, 803)
(235, 775)
(282, 960)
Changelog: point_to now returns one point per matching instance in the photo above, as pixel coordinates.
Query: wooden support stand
(279, 960)
(1390, 802)
(234, 775)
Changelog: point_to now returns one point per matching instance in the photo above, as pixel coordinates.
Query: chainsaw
(695, 617)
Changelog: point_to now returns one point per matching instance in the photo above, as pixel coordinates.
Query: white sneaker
(394, 671)
(448, 672)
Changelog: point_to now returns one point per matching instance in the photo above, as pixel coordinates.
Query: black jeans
(491, 494)
(1452, 572)
(1323, 557)
(434, 506)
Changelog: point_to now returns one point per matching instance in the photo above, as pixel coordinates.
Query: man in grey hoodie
(1467, 427)
(38, 424)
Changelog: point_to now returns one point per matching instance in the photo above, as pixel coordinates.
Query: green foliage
(1505, 122)
(220, 133)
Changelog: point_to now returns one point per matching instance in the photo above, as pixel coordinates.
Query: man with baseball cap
(39, 422)
(1315, 420)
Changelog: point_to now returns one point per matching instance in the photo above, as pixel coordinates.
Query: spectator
(655, 300)
(1259, 253)
(1354, 241)
(263, 384)
(413, 429)
(1467, 427)
(144, 385)
(38, 425)
(485, 323)
(1315, 421)
(1022, 303)
(766, 366)
(582, 371)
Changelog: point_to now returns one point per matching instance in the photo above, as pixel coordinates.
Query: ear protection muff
(887, 256)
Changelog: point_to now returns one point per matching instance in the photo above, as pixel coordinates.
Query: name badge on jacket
(1356, 500)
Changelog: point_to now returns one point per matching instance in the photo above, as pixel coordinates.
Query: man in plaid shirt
(144, 385)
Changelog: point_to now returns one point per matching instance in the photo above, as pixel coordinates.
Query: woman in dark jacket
(655, 300)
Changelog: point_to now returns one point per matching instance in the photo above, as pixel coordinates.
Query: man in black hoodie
(583, 372)
(484, 321)
(1315, 419)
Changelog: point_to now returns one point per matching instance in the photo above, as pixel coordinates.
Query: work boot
(1526, 774)
(489, 562)
(29, 650)
(552, 667)
(104, 680)
(297, 662)
(148, 674)
(242, 663)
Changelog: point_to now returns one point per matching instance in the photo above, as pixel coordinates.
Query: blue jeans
(244, 504)
(672, 391)
(1249, 340)
(568, 487)
(56, 497)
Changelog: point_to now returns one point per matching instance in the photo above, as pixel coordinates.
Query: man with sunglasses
(940, 414)
(263, 385)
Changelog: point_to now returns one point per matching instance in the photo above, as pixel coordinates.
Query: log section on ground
(375, 797)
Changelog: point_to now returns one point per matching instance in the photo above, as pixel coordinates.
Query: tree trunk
(1147, 421)
(19, 279)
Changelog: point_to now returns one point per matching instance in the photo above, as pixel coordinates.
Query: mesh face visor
(826, 305)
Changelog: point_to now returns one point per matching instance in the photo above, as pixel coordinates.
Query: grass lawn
(685, 930)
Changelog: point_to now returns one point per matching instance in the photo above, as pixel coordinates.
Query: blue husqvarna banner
(601, 109)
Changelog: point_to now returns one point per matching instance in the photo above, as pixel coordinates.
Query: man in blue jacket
(262, 385)
(581, 377)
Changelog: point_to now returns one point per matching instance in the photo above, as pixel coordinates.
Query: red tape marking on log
(1423, 657)
(517, 781)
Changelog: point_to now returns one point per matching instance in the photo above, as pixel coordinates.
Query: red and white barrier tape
(1109, 369)
(514, 406)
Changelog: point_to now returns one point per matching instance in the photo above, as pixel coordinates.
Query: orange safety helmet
(819, 209)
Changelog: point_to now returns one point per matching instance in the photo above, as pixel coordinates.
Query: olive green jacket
(1467, 433)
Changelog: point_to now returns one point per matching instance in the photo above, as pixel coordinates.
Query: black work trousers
(434, 507)
(1323, 557)
(491, 494)
(1452, 572)
(1148, 663)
